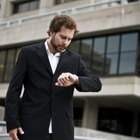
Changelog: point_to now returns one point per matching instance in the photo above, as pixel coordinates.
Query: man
(49, 73)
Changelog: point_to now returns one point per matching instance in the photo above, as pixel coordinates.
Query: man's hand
(67, 79)
(13, 133)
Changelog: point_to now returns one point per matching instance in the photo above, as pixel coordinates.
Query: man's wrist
(77, 80)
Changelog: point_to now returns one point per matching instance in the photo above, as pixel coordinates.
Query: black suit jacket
(41, 99)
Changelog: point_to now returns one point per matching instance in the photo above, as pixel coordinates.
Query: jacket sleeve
(14, 92)
(88, 82)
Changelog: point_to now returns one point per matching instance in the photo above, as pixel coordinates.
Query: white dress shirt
(54, 59)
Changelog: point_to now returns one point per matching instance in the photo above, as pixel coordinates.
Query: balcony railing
(72, 10)
(5, 136)
(80, 134)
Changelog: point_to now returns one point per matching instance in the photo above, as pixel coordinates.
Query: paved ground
(5, 138)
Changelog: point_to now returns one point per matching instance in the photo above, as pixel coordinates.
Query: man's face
(61, 40)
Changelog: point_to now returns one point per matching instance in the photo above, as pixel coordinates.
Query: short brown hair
(60, 21)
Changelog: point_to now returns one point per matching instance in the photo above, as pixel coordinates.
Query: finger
(72, 78)
(65, 77)
(59, 83)
(61, 80)
(13, 132)
(20, 130)
(15, 137)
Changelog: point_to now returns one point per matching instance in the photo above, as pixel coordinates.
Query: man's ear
(52, 34)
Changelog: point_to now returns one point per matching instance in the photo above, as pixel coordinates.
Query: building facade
(109, 43)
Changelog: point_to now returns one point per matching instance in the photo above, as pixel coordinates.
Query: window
(9, 64)
(128, 53)
(2, 61)
(8, 58)
(62, 1)
(25, 6)
(86, 50)
(99, 55)
(111, 54)
(75, 45)
(111, 65)
(132, 0)
(115, 120)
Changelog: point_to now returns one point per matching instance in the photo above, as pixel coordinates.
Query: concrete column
(90, 114)
(1, 113)
(3, 8)
(46, 3)
(8, 7)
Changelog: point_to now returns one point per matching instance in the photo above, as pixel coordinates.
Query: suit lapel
(63, 60)
(41, 51)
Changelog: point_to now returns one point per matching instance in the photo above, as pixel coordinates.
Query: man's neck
(51, 48)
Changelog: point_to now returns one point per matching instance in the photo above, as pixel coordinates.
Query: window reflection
(129, 42)
(128, 53)
(25, 6)
(111, 64)
(62, 1)
(99, 55)
(74, 46)
(113, 44)
(106, 55)
(9, 64)
(86, 50)
(2, 60)
(109, 120)
(127, 63)
(99, 45)
(112, 54)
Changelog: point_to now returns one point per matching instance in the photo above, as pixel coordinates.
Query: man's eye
(63, 37)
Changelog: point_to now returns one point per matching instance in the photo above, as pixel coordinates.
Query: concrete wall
(117, 18)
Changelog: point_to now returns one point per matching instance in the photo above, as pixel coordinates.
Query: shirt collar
(48, 50)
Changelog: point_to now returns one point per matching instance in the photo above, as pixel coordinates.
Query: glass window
(127, 62)
(99, 45)
(129, 45)
(86, 50)
(112, 54)
(2, 60)
(9, 64)
(115, 120)
(17, 53)
(129, 42)
(74, 46)
(62, 1)
(34, 5)
(113, 44)
(25, 6)
(99, 55)
(111, 63)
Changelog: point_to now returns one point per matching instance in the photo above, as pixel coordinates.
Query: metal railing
(86, 138)
(5, 136)
(72, 10)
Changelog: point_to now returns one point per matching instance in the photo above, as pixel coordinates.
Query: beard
(57, 48)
